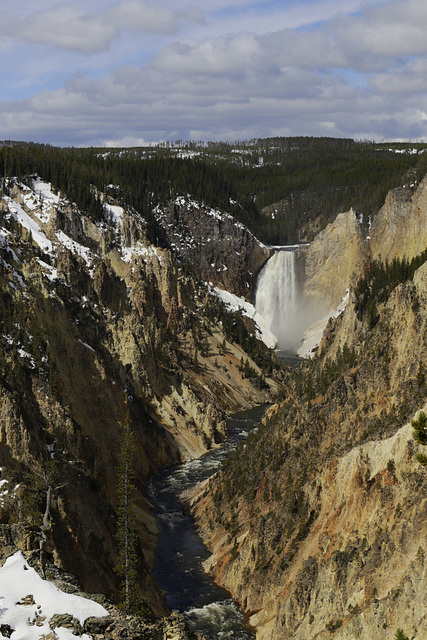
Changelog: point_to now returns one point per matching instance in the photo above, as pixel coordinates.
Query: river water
(180, 553)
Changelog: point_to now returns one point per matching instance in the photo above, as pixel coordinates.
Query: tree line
(378, 281)
(310, 178)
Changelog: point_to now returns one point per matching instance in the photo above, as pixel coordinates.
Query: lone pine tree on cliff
(126, 534)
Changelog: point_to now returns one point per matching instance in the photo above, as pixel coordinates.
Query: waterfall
(277, 298)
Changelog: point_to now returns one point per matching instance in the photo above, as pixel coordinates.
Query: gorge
(137, 303)
(329, 494)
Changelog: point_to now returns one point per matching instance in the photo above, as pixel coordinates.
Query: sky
(130, 72)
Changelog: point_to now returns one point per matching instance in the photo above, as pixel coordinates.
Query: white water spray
(278, 299)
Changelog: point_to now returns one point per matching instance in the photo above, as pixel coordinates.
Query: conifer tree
(420, 435)
(126, 534)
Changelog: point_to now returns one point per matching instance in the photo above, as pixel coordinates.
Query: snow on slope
(38, 205)
(18, 581)
(235, 303)
(29, 224)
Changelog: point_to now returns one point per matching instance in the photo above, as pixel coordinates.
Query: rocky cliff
(318, 528)
(400, 227)
(334, 260)
(220, 249)
(97, 322)
(330, 261)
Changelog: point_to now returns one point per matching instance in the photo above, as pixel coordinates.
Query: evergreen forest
(283, 189)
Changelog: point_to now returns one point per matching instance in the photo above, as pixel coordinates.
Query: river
(178, 570)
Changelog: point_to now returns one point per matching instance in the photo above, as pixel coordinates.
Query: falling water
(277, 298)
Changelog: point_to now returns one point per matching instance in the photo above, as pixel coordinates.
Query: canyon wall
(99, 323)
(334, 260)
(318, 528)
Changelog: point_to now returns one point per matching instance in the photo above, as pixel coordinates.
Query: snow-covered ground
(27, 603)
(235, 303)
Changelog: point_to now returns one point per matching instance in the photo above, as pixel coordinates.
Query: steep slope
(318, 527)
(220, 250)
(330, 261)
(334, 260)
(98, 322)
(400, 228)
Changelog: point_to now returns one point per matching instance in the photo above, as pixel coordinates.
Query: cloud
(409, 79)
(74, 28)
(342, 78)
(391, 32)
(133, 103)
(246, 54)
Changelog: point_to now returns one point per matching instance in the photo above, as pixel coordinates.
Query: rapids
(208, 608)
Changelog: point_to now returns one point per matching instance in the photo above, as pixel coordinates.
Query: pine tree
(400, 635)
(420, 435)
(126, 534)
(420, 428)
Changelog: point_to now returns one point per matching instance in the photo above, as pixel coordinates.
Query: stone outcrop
(219, 249)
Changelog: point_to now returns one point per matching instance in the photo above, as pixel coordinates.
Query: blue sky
(126, 72)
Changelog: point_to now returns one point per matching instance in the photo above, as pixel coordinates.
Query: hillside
(97, 322)
(318, 526)
(282, 189)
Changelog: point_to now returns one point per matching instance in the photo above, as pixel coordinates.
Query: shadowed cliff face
(318, 528)
(219, 249)
(97, 322)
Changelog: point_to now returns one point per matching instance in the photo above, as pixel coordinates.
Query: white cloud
(74, 28)
(409, 79)
(332, 79)
(393, 31)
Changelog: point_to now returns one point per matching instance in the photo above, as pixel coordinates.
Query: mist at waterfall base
(281, 303)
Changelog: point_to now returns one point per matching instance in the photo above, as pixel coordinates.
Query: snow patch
(75, 247)
(17, 581)
(21, 216)
(116, 213)
(49, 271)
(3, 492)
(44, 190)
(235, 303)
(24, 354)
(87, 345)
(128, 253)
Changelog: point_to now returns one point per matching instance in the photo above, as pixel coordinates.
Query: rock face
(400, 227)
(220, 249)
(334, 260)
(318, 528)
(99, 323)
(331, 260)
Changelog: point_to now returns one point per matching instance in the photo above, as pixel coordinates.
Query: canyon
(101, 331)
(317, 526)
